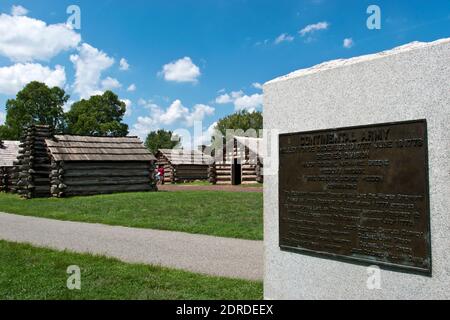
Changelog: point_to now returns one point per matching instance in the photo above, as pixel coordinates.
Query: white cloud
(229, 97)
(68, 105)
(208, 134)
(257, 85)
(15, 77)
(249, 103)
(128, 105)
(25, 39)
(175, 113)
(18, 11)
(224, 99)
(131, 88)
(314, 27)
(2, 118)
(284, 37)
(241, 101)
(143, 126)
(110, 84)
(199, 113)
(182, 70)
(203, 139)
(144, 103)
(348, 43)
(124, 64)
(89, 64)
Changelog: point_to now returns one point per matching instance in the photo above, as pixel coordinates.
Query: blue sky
(194, 60)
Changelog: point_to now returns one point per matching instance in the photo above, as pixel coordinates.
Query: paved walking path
(175, 187)
(210, 255)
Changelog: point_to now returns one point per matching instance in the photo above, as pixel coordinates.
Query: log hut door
(236, 172)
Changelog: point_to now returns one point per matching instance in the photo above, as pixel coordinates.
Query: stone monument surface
(363, 178)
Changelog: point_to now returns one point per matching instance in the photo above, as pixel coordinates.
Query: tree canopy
(100, 115)
(6, 133)
(242, 120)
(160, 139)
(36, 103)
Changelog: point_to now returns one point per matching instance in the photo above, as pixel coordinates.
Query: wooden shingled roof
(180, 157)
(9, 150)
(84, 148)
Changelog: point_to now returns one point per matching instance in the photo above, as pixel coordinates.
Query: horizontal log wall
(7, 179)
(190, 172)
(223, 173)
(183, 172)
(251, 168)
(90, 178)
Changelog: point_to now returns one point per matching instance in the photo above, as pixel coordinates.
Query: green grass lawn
(28, 272)
(226, 214)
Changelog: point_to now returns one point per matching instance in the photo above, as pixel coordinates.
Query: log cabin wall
(186, 172)
(251, 166)
(32, 171)
(76, 178)
(9, 150)
(4, 181)
(168, 168)
(99, 165)
(7, 179)
(183, 165)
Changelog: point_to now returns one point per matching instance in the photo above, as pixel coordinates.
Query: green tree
(160, 139)
(242, 120)
(36, 103)
(6, 133)
(101, 115)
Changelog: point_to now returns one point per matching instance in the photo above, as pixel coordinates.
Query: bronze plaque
(358, 194)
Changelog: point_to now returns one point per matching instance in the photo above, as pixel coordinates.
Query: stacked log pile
(33, 164)
(57, 187)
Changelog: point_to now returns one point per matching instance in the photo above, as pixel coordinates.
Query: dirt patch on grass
(175, 187)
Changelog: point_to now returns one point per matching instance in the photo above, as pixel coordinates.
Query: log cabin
(86, 165)
(240, 162)
(183, 165)
(32, 168)
(9, 150)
